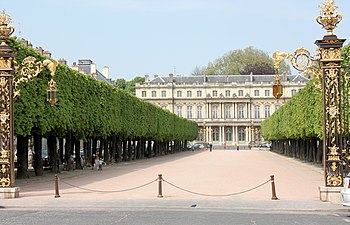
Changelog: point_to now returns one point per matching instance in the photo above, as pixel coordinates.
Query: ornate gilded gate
(326, 66)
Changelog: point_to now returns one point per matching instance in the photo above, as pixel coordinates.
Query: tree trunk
(113, 148)
(125, 150)
(68, 152)
(22, 157)
(130, 150)
(78, 161)
(119, 150)
(52, 150)
(106, 151)
(94, 151)
(87, 152)
(60, 149)
(38, 159)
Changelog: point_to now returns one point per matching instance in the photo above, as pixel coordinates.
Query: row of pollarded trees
(90, 110)
(296, 128)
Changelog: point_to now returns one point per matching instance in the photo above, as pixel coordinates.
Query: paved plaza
(221, 172)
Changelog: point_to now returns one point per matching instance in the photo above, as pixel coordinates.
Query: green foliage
(129, 86)
(243, 62)
(299, 118)
(302, 116)
(90, 108)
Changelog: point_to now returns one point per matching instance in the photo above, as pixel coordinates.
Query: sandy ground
(220, 172)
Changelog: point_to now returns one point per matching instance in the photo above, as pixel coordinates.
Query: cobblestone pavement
(220, 172)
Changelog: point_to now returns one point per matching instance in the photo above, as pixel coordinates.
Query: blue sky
(138, 37)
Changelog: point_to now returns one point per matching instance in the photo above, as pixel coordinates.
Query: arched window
(241, 134)
(215, 134)
(228, 134)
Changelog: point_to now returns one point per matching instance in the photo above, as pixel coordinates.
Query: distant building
(228, 109)
(88, 67)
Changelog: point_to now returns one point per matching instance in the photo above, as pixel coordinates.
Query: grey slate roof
(229, 79)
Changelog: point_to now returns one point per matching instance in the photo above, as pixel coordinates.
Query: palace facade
(229, 109)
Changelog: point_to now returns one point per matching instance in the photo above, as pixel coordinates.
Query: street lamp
(11, 75)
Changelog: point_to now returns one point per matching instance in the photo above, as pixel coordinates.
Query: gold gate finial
(5, 31)
(329, 17)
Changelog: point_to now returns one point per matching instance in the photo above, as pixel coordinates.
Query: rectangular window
(257, 112)
(256, 92)
(267, 93)
(240, 93)
(163, 94)
(179, 111)
(189, 94)
(294, 92)
(199, 112)
(277, 107)
(179, 94)
(227, 93)
(215, 135)
(215, 93)
(228, 111)
(267, 111)
(199, 93)
(189, 112)
(144, 94)
(154, 94)
(240, 111)
(214, 111)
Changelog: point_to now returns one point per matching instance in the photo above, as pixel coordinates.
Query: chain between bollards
(57, 192)
(274, 197)
(160, 189)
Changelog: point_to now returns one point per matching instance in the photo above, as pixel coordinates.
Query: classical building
(228, 109)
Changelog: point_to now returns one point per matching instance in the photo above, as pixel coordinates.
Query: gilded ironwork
(11, 75)
(301, 59)
(325, 67)
(328, 16)
(279, 57)
(5, 30)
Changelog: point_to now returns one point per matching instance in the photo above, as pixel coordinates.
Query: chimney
(47, 54)
(156, 76)
(105, 71)
(62, 61)
(171, 78)
(30, 45)
(75, 66)
(39, 49)
(93, 69)
(146, 78)
(24, 41)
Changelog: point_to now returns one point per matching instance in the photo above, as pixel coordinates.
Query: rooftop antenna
(174, 70)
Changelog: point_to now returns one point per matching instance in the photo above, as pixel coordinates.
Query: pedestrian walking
(100, 162)
(210, 147)
(237, 147)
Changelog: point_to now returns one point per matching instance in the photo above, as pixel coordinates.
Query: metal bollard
(57, 192)
(160, 191)
(274, 197)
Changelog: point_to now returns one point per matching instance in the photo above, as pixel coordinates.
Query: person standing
(237, 147)
(97, 162)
